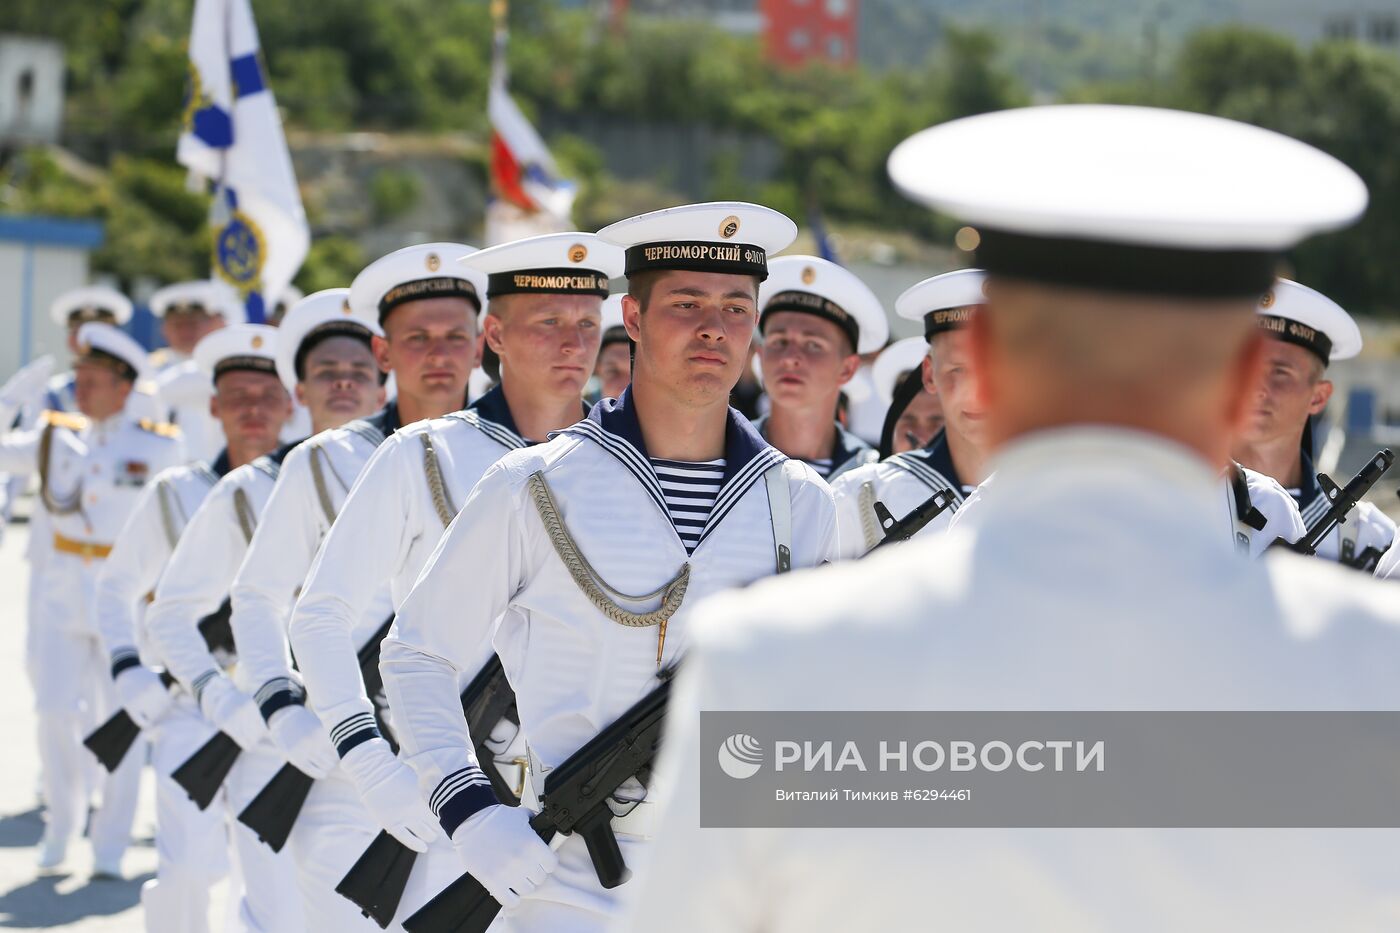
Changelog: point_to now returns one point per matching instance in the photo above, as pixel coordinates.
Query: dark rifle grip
(203, 772)
(273, 812)
(464, 906)
(376, 882)
(596, 829)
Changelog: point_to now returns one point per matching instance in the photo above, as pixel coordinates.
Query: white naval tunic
(311, 487)
(333, 827)
(902, 482)
(1093, 576)
(574, 671)
(191, 844)
(194, 584)
(384, 533)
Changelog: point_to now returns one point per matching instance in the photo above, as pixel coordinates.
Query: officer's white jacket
(902, 482)
(98, 467)
(1094, 576)
(1366, 527)
(201, 569)
(384, 533)
(311, 487)
(140, 553)
(574, 671)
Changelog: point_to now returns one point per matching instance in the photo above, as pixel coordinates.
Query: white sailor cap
(1304, 316)
(316, 317)
(106, 345)
(1132, 199)
(90, 303)
(429, 270)
(238, 347)
(822, 288)
(555, 263)
(207, 295)
(943, 302)
(728, 237)
(611, 325)
(896, 360)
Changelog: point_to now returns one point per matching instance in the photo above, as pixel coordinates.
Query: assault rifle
(375, 883)
(1343, 499)
(575, 800)
(911, 524)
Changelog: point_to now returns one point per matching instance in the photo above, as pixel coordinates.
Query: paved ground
(65, 900)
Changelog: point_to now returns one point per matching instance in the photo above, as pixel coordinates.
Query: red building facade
(799, 31)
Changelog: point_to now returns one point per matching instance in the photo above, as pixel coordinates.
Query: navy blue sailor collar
(933, 464)
(220, 464)
(386, 420)
(843, 448)
(493, 411)
(745, 450)
(1308, 495)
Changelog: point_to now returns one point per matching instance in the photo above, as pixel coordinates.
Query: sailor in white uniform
(191, 844)
(543, 324)
(1132, 243)
(339, 381)
(817, 318)
(665, 492)
(188, 312)
(92, 467)
(413, 294)
(955, 459)
(1307, 330)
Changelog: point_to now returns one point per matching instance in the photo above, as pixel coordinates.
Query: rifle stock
(273, 812)
(376, 882)
(204, 772)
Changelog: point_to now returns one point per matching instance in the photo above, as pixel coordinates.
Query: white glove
(501, 851)
(302, 739)
(390, 791)
(233, 711)
(142, 695)
(27, 384)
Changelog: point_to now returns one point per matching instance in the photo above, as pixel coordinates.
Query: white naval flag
(233, 135)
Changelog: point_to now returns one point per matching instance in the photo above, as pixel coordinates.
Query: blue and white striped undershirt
(690, 490)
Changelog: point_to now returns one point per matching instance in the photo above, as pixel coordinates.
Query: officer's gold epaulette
(163, 428)
(64, 419)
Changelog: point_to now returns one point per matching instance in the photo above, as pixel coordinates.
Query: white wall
(56, 270)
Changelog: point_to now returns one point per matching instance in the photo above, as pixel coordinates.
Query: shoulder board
(161, 428)
(204, 472)
(64, 419)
